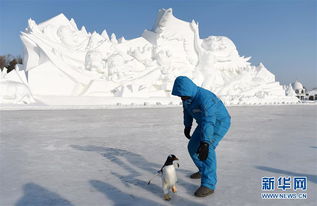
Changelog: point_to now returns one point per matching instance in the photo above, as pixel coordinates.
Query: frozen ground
(105, 157)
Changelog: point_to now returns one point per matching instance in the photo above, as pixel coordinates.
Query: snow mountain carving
(64, 60)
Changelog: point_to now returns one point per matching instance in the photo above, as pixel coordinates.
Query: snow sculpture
(63, 60)
(206, 73)
(95, 62)
(289, 91)
(298, 86)
(13, 87)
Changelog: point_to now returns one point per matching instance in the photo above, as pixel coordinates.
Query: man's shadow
(135, 159)
(37, 195)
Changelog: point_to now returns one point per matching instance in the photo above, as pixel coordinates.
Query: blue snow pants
(208, 167)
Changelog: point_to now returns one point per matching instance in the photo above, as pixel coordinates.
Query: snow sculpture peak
(58, 20)
(114, 38)
(73, 23)
(289, 91)
(297, 85)
(83, 30)
(104, 34)
(62, 60)
(121, 40)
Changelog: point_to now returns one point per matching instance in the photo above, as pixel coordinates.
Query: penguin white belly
(169, 175)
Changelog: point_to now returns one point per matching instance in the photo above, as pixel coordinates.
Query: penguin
(169, 177)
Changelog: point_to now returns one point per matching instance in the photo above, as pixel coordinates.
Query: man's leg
(193, 145)
(209, 170)
(209, 166)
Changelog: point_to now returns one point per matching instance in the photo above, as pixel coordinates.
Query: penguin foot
(167, 197)
(174, 189)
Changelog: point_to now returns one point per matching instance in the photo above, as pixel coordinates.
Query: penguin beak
(176, 158)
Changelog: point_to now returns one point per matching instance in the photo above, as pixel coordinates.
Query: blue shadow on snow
(36, 195)
(119, 197)
(310, 177)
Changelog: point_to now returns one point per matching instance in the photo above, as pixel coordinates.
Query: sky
(282, 34)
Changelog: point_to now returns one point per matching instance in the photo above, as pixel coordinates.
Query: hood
(183, 86)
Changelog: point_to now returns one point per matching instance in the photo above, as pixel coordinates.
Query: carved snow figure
(205, 74)
(95, 62)
(13, 87)
(15, 92)
(115, 65)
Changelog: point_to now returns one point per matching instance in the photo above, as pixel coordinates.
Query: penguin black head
(170, 159)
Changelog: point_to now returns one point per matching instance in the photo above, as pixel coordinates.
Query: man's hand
(203, 151)
(187, 132)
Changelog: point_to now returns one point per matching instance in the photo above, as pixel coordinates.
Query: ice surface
(105, 157)
(63, 60)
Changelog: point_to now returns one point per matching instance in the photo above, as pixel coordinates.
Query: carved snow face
(94, 61)
(66, 35)
(115, 60)
(218, 44)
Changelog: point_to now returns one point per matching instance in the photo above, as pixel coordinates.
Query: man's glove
(203, 151)
(187, 132)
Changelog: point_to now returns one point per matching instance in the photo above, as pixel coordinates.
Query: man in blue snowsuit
(213, 122)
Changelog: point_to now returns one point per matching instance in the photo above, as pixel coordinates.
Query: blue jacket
(204, 106)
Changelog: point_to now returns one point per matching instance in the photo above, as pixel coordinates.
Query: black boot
(203, 191)
(196, 175)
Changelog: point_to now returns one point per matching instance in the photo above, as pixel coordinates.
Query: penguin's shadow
(116, 155)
